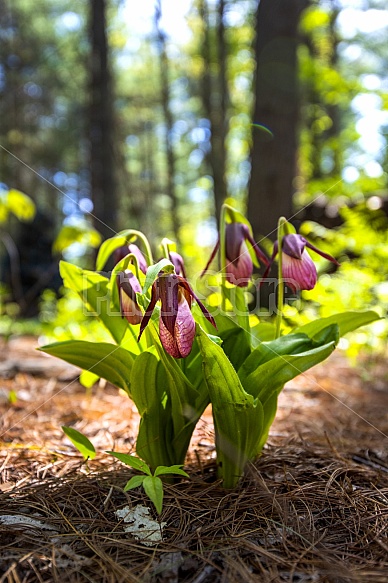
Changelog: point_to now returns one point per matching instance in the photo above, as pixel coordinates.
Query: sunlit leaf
(160, 470)
(81, 442)
(70, 234)
(108, 361)
(132, 461)
(153, 487)
(347, 322)
(154, 270)
(134, 482)
(93, 290)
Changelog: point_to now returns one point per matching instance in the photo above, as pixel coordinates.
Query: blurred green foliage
(44, 97)
(361, 245)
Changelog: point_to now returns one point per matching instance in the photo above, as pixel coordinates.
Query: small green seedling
(152, 484)
(81, 442)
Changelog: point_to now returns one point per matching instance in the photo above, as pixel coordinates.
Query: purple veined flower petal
(321, 253)
(130, 309)
(128, 285)
(168, 284)
(149, 310)
(120, 253)
(178, 263)
(240, 271)
(134, 249)
(300, 273)
(179, 344)
(235, 235)
(293, 245)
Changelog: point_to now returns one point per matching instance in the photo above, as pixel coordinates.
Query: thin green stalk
(147, 246)
(281, 223)
(223, 255)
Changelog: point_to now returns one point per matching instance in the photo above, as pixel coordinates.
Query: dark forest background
(279, 105)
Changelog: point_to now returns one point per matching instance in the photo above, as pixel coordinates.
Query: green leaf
(235, 340)
(132, 461)
(94, 292)
(238, 418)
(80, 441)
(285, 346)
(108, 361)
(187, 403)
(236, 296)
(153, 272)
(87, 379)
(265, 351)
(153, 487)
(151, 397)
(160, 470)
(272, 375)
(134, 482)
(107, 248)
(110, 245)
(347, 322)
(262, 332)
(18, 203)
(70, 234)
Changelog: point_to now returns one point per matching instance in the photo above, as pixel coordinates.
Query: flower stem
(143, 238)
(281, 224)
(223, 255)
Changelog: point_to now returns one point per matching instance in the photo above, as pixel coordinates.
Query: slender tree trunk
(103, 182)
(215, 98)
(168, 119)
(277, 107)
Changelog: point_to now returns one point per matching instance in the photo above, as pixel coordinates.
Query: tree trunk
(168, 120)
(277, 108)
(215, 98)
(103, 184)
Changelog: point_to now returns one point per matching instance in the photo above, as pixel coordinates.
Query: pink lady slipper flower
(239, 265)
(128, 285)
(176, 323)
(298, 269)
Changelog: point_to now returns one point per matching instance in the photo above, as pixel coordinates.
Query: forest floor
(313, 508)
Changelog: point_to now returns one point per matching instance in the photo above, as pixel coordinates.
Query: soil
(312, 508)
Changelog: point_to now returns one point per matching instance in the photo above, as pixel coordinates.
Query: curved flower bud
(128, 285)
(176, 324)
(124, 250)
(239, 266)
(298, 269)
(178, 263)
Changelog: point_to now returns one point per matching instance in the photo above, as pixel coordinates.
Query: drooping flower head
(298, 269)
(178, 263)
(124, 250)
(239, 265)
(128, 285)
(176, 323)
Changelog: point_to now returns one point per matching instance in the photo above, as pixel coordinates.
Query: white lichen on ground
(141, 526)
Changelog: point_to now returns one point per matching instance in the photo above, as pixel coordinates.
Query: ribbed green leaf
(347, 322)
(132, 461)
(153, 487)
(134, 482)
(176, 470)
(238, 418)
(108, 361)
(93, 290)
(276, 372)
(107, 248)
(151, 396)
